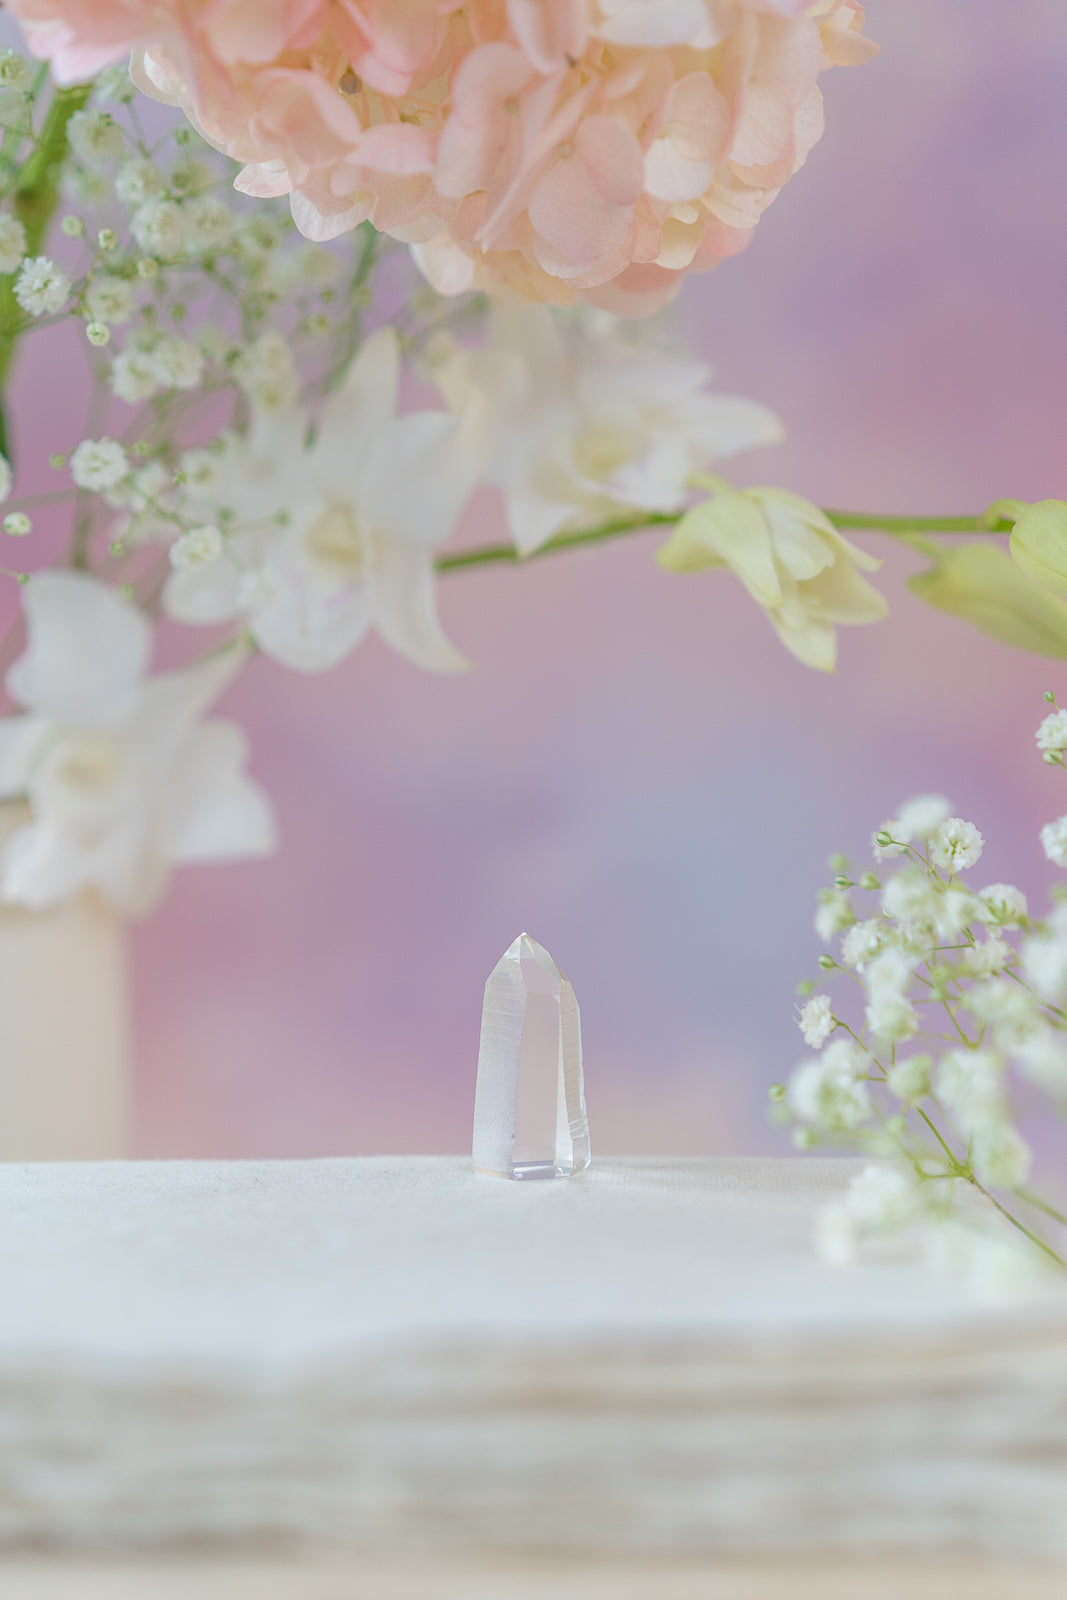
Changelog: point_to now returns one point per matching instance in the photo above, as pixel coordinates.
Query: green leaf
(982, 584)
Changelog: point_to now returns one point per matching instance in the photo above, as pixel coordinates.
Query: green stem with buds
(34, 201)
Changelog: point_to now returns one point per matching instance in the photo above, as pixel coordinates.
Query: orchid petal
(215, 812)
(88, 650)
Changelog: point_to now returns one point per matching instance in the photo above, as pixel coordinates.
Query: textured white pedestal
(364, 1360)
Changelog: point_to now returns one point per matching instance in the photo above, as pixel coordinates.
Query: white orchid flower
(122, 778)
(577, 423)
(328, 539)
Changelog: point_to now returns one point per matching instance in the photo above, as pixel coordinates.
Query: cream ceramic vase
(65, 1058)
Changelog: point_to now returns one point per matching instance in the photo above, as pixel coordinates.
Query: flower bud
(17, 524)
(1039, 544)
(827, 963)
(842, 881)
(983, 585)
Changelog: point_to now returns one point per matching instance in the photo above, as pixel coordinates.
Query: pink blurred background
(636, 772)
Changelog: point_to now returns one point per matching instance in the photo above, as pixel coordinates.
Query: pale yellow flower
(790, 558)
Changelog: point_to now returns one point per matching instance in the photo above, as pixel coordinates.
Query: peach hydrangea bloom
(562, 149)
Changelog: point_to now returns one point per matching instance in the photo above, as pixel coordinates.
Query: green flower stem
(1034, 1238)
(1041, 1205)
(905, 525)
(933, 1129)
(485, 554)
(34, 202)
(960, 1170)
(897, 527)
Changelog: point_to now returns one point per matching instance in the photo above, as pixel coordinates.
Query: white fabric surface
(523, 1579)
(392, 1353)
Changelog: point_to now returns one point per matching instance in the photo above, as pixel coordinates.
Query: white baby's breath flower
(216, 342)
(954, 911)
(267, 373)
(880, 1200)
(996, 1267)
(257, 239)
(15, 71)
(991, 954)
(1001, 1156)
(909, 1079)
(1044, 961)
(209, 224)
(110, 299)
(863, 941)
(1054, 841)
(12, 242)
(917, 819)
(138, 181)
(159, 228)
(197, 548)
(816, 1021)
(142, 491)
(1007, 1007)
(192, 176)
(114, 83)
(1042, 1057)
(891, 1017)
(99, 464)
(910, 897)
(956, 846)
(890, 973)
(971, 1083)
(86, 186)
(203, 470)
(41, 287)
(834, 914)
(921, 817)
(1052, 734)
(177, 363)
(133, 376)
(1001, 905)
(830, 1091)
(95, 137)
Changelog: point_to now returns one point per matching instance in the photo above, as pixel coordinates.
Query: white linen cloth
(395, 1353)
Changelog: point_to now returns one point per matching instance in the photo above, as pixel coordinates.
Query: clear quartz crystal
(529, 1106)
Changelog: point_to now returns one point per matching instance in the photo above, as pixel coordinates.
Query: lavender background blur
(636, 772)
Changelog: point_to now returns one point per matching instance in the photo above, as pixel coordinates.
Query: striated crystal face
(529, 1106)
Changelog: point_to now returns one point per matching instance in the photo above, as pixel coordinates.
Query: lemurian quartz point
(529, 1106)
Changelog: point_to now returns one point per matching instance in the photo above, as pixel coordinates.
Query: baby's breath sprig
(964, 999)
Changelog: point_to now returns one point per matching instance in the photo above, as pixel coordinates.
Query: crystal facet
(529, 1107)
